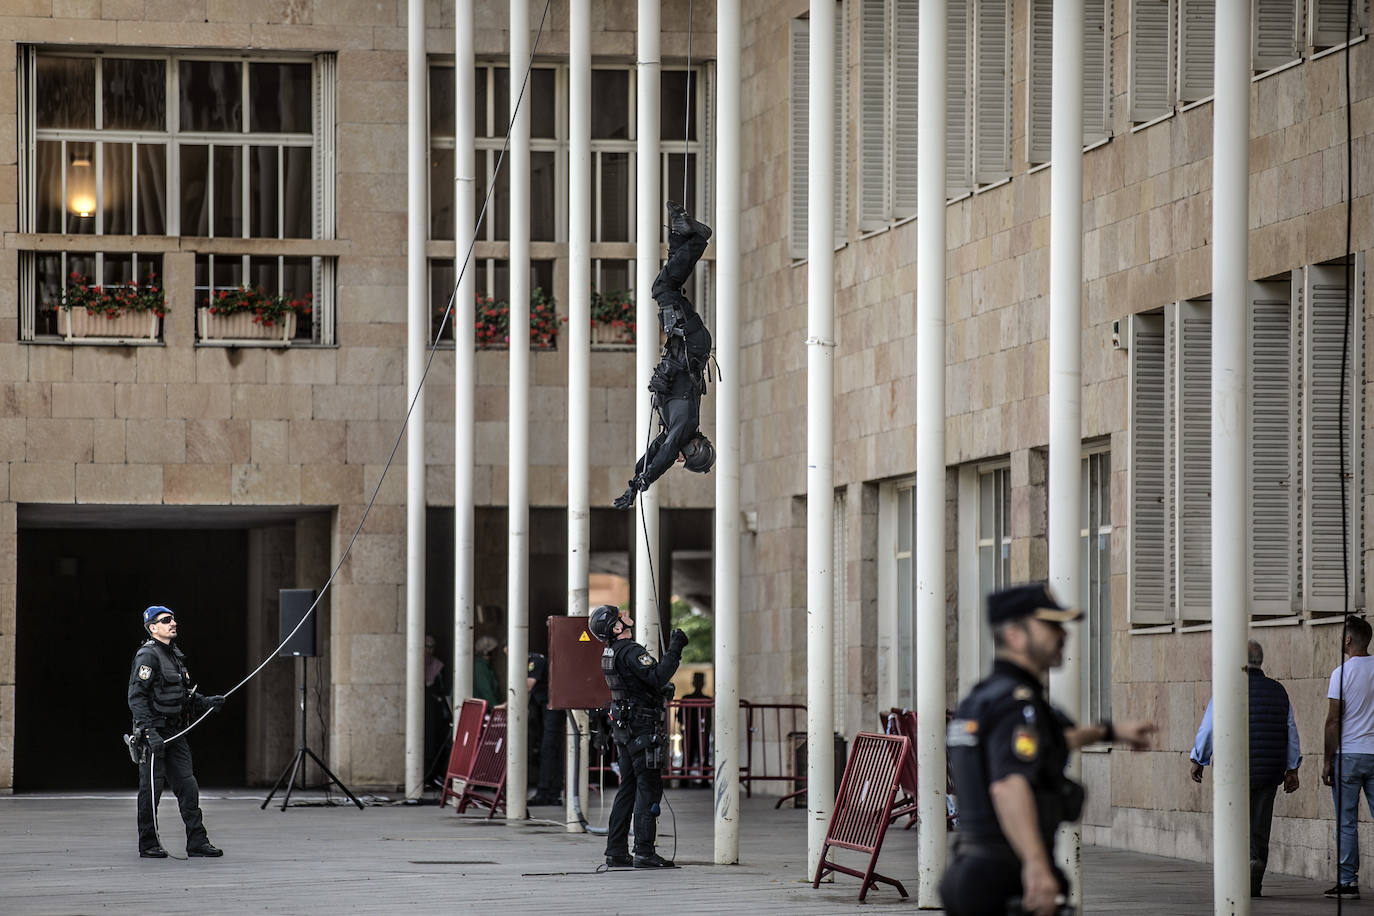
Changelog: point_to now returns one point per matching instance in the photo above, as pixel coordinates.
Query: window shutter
(1149, 522)
(839, 130)
(992, 93)
(1039, 108)
(801, 62)
(1097, 70)
(326, 81)
(1150, 57)
(1197, 45)
(1194, 509)
(874, 90)
(1276, 33)
(1327, 21)
(905, 69)
(1272, 486)
(1323, 341)
(958, 128)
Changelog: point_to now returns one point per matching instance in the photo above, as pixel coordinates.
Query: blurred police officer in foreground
(639, 688)
(163, 701)
(1008, 748)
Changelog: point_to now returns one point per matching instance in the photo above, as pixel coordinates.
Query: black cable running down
(687, 105)
(1340, 423)
(433, 348)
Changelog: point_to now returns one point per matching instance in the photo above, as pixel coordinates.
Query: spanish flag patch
(1024, 744)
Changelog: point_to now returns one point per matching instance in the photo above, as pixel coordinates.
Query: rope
(448, 311)
(687, 106)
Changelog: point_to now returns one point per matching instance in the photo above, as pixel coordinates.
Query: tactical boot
(679, 222)
(653, 860)
(701, 229)
(623, 861)
(153, 852)
(205, 852)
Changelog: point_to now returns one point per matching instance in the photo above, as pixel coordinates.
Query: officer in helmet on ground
(639, 687)
(163, 701)
(679, 379)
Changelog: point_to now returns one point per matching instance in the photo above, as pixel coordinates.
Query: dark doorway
(80, 596)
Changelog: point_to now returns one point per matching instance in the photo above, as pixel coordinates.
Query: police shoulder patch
(144, 672)
(646, 659)
(1024, 744)
(1022, 693)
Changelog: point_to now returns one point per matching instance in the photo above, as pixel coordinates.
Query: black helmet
(601, 621)
(698, 455)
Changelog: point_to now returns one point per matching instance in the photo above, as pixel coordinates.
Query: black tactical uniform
(639, 686)
(161, 701)
(1005, 726)
(679, 379)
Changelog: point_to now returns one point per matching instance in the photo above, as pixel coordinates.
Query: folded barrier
(488, 768)
(467, 732)
(863, 808)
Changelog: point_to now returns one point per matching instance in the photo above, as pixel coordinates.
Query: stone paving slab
(70, 854)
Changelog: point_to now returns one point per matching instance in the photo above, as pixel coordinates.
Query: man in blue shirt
(1274, 757)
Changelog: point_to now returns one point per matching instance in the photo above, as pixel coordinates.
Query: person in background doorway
(695, 722)
(550, 789)
(485, 685)
(438, 712)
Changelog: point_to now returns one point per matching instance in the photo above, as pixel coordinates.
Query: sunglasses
(168, 619)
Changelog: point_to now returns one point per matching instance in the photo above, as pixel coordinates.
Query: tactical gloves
(677, 642)
(627, 499)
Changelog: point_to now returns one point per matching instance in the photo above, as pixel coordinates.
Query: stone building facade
(287, 444)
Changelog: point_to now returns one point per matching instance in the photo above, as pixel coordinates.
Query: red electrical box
(575, 680)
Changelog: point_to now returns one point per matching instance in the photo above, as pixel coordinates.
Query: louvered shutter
(1171, 432)
(1150, 59)
(1194, 509)
(992, 98)
(1197, 45)
(905, 47)
(1324, 316)
(839, 135)
(1039, 110)
(1276, 33)
(326, 67)
(874, 92)
(1097, 70)
(1327, 21)
(800, 65)
(958, 127)
(1149, 521)
(1272, 487)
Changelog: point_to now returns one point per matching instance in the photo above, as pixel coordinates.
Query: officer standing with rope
(1008, 748)
(679, 379)
(162, 698)
(639, 688)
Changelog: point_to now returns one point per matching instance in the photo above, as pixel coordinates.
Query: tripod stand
(295, 765)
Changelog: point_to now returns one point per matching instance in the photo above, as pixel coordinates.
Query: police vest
(169, 679)
(634, 704)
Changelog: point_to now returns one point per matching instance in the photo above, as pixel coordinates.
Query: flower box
(124, 325)
(608, 335)
(241, 326)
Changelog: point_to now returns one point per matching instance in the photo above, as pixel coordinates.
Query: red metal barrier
(466, 734)
(863, 807)
(489, 768)
(691, 749)
(767, 725)
(903, 722)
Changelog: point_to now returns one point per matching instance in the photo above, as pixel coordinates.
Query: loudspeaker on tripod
(293, 604)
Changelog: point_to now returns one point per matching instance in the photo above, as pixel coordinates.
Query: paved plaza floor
(77, 853)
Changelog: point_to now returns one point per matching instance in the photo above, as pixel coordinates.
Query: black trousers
(1261, 819)
(172, 765)
(982, 885)
(641, 788)
(551, 758)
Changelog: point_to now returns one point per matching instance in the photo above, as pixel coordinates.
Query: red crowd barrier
(466, 734)
(863, 807)
(691, 750)
(488, 768)
(903, 722)
(767, 725)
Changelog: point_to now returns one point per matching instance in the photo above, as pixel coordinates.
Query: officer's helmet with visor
(602, 621)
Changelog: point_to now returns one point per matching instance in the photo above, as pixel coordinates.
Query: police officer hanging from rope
(679, 379)
(162, 700)
(640, 686)
(1008, 748)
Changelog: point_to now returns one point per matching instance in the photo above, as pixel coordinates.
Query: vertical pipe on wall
(417, 337)
(1066, 375)
(579, 347)
(1230, 399)
(648, 219)
(464, 353)
(930, 455)
(727, 533)
(820, 430)
(517, 562)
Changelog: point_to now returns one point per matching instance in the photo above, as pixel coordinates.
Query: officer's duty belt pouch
(1071, 796)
